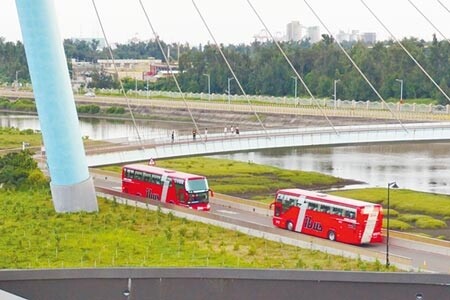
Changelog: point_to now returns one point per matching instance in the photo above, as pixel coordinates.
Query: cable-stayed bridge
(269, 139)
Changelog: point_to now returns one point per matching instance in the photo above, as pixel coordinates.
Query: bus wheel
(331, 235)
(289, 226)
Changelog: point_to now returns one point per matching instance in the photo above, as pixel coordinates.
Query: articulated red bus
(166, 186)
(327, 216)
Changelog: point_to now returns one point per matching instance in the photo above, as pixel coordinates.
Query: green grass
(404, 200)
(410, 210)
(32, 235)
(13, 138)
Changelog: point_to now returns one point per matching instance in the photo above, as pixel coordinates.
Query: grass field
(32, 235)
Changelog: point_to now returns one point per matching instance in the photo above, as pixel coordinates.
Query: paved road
(424, 257)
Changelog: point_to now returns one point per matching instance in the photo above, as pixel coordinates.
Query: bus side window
(156, 179)
(325, 208)
(313, 206)
(138, 175)
(349, 214)
(337, 211)
(129, 173)
(147, 177)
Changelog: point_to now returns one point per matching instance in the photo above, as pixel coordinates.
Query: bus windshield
(197, 185)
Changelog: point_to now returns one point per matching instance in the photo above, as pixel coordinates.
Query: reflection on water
(422, 166)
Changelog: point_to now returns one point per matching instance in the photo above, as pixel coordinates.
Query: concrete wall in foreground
(221, 284)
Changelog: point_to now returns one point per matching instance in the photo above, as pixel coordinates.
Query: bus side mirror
(212, 193)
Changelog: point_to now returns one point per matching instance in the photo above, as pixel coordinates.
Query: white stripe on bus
(301, 216)
(370, 227)
(165, 189)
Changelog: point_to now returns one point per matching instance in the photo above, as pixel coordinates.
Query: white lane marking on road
(227, 212)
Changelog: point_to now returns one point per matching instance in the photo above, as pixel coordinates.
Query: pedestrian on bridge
(172, 136)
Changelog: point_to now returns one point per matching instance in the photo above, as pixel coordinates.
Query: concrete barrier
(220, 284)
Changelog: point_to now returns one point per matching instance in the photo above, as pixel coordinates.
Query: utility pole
(335, 101)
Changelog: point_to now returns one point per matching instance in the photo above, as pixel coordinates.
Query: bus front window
(198, 190)
(197, 185)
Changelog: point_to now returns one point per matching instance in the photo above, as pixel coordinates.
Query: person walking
(173, 136)
(237, 130)
(194, 133)
(206, 134)
(225, 130)
(232, 129)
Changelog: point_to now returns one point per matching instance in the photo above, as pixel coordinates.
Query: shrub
(115, 110)
(88, 109)
(430, 223)
(396, 224)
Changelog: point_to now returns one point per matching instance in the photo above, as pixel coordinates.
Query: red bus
(166, 186)
(327, 216)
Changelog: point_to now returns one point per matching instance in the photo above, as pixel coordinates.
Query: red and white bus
(166, 186)
(335, 218)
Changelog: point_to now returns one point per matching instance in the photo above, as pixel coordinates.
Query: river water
(417, 166)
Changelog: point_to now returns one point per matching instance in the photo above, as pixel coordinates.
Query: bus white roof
(162, 171)
(326, 198)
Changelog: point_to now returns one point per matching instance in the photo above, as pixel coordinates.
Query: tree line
(262, 70)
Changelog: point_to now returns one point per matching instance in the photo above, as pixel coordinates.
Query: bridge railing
(326, 103)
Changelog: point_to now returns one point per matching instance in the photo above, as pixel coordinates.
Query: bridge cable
(407, 52)
(170, 68)
(231, 69)
(445, 7)
(117, 72)
(356, 66)
(429, 21)
(292, 66)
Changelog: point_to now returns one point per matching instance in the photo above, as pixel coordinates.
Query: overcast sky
(233, 21)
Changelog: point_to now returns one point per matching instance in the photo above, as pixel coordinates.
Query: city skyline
(233, 21)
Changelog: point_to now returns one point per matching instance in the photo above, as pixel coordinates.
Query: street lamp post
(401, 89)
(335, 82)
(389, 186)
(229, 89)
(295, 86)
(17, 80)
(209, 86)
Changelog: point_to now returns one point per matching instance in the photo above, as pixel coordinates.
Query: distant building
(294, 31)
(369, 38)
(141, 69)
(313, 33)
(352, 36)
(355, 36)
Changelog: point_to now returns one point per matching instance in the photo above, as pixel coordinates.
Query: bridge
(259, 139)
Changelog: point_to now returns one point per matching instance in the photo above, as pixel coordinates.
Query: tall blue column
(71, 185)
